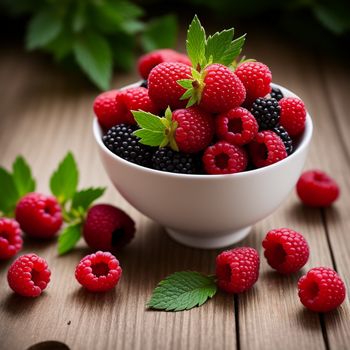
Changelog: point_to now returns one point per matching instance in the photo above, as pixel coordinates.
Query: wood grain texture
(44, 112)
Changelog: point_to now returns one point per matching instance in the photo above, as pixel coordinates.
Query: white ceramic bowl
(206, 211)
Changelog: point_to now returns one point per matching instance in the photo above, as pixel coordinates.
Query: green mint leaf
(84, 198)
(148, 121)
(8, 193)
(187, 94)
(43, 28)
(232, 51)
(196, 42)
(185, 83)
(182, 291)
(149, 137)
(93, 54)
(64, 180)
(217, 45)
(79, 17)
(22, 176)
(69, 237)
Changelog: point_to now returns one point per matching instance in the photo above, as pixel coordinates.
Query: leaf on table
(8, 193)
(69, 237)
(22, 177)
(84, 198)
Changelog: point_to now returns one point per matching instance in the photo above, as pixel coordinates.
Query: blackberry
(276, 93)
(144, 84)
(267, 112)
(282, 133)
(120, 140)
(165, 159)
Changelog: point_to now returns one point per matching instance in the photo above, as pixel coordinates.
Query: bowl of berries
(206, 145)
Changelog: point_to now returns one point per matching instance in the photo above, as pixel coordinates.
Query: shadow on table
(16, 304)
(85, 298)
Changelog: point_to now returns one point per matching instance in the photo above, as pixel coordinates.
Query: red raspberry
(39, 216)
(148, 61)
(293, 115)
(108, 228)
(285, 250)
(195, 129)
(237, 126)
(10, 238)
(224, 158)
(267, 148)
(237, 270)
(29, 275)
(222, 90)
(105, 108)
(98, 272)
(321, 289)
(316, 189)
(256, 78)
(163, 88)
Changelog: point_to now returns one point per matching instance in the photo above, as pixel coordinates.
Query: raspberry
(285, 250)
(166, 159)
(121, 141)
(98, 272)
(237, 270)
(10, 238)
(148, 61)
(276, 93)
(195, 129)
(237, 126)
(267, 148)
(321, 289)
(224, 158)
(108, 228)
(282, 133)
(267, 112)
(293, 115)
(163, 88)
(222, 90)
(316, 189)
(256, 78)
(39, 216)
(29, 275)
(106, 110)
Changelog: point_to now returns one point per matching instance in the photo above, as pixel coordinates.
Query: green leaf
(217, 45)
(182, 291)
(150, 138)
(22, 176)
(132, 26)
(69, 237)
(79, 17)
(148, 121)
(8, 193)
(84, 198)
(94, 55)
(64, 180)
(61, 46)
(185, 83)
(233, 51)
(42, 28)
(160, 33)
(195, 42)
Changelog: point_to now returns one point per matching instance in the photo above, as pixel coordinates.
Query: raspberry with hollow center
(29, 275)
(10, 238)
(285, 250)
(321, 289)
(98, 272)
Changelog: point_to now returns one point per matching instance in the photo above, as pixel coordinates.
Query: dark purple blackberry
(165, 159)
(120, 140)
(276, 93)
(282, 133)
(144, 84)
(267, 112)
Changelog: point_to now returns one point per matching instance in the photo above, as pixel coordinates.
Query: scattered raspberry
(222, 90)
(148, 61)
(237, 126)
(108, 228)
(195, 129)
(316, 189)
(256, 78)
(224, 158)
(267, 148)
(163, 88)
(106, 110)
(282, 133)
(321, 289)
(285, 250)
(267, 112)
(293, 115)
(29, 275)
(98, 272)
(237, 270)
(10, 238)
(39, 216)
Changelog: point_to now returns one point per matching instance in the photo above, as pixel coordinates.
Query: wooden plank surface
(44, 112)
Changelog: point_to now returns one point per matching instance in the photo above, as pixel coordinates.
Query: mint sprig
(182, 291)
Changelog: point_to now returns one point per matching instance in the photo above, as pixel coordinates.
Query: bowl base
(209, 243)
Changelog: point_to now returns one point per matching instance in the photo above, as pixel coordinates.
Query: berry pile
(207, 112)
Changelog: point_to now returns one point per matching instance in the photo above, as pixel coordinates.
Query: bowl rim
(303, 143)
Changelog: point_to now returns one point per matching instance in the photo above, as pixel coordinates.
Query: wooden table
(45, 111)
